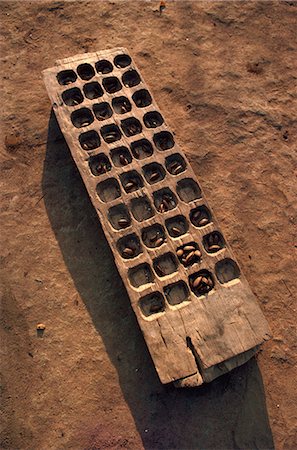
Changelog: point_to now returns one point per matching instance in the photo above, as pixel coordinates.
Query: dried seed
(189, 257)
(128, 251)
(123, 222)
(154, 238)
(159, 241)
(165, 204)
(132, 129)
(177, 170)
(89, 145)
(197, 215)
(161, 208)
(173, 166)
(198, 253)
(123, 160)
(210, 283)
(154, 176)
(110, 137)
(180, 252)
(176, 231)
(189, 248)
(203, 221)
(205, 280)
(196, 282)
(101, 169)
(214, 247)
(130, 185)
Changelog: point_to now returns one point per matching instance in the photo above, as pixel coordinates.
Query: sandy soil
(224, 75)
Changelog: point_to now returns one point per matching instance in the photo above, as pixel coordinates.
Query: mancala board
(194, 306)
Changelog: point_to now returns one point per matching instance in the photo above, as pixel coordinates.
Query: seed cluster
(143, 180)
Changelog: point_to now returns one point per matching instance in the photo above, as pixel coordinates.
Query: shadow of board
(229, 413)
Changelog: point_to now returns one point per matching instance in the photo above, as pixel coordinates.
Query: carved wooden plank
(193, 304)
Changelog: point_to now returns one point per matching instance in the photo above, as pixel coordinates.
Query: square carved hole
(102, 111)
(131, 181)
(131, 78)
(99, 164)
(188, 190)
(72, 97)
(151, 304)
(85, 71)
(66, 77)
(141, 208)
(131, 126)
(119, 217)
(177, 226)
(108, 190)
(165, 264)
(175, 164)
(82, 117)
(153, 236)
(153, 119)
(153, 173)
(200, 216)
(111, 133)
(142, 98)
(121, 105)
(189, 254)
(121, 156)
(89, 140)
(103, 66)
(93, 90)
(122, 61)
(163, 140)
(129, 246)
(213, 242)
(201, 282)
(112, 84)
(141, 149)
(164, 200)
(140, 275)
(227, 270)
(177, 293)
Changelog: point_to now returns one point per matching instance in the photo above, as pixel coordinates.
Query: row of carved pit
(178, 293)
(120, 218)
(154, 236)
(92, 91)
(73, 96)
(87, 71)
(164, 199)
(121, 157)
(110, 133)
(141, 149)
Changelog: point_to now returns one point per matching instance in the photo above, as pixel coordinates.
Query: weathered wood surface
(194, 340)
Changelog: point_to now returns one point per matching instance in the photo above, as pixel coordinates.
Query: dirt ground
(224, 75)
